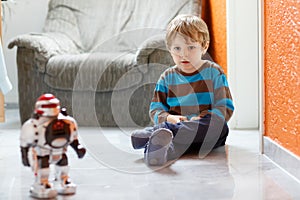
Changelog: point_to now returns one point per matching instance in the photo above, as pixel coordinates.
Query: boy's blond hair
(191, 27)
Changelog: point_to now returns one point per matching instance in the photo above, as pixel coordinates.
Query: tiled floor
(113, 170)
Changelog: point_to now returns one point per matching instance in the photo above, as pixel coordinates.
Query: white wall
(19, 17)
(243, 64)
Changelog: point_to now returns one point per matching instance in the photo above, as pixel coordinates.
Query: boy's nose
(184, 53)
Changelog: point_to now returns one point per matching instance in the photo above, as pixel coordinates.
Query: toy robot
(44, 141)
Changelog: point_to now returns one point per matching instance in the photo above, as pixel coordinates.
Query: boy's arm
(159, 114)
(223, 104)
(159, 110)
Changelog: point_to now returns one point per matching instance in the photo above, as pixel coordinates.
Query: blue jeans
(201, 135)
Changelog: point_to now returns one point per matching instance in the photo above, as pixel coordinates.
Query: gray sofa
(100, 58)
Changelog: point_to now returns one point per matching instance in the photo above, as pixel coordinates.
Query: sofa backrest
(110, 25)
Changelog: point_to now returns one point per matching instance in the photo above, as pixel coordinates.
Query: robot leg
(41, 187)
(63, 183)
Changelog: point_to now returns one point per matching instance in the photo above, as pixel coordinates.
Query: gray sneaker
(140, 138)
(156, 153)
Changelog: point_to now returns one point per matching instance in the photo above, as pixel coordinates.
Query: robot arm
(78, 148)
(74, 137)
(24, 154)
(26, 140)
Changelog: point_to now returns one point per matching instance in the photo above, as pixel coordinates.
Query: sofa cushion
(92, 22)
(99, 72)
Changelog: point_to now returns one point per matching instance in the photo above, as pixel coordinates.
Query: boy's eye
(191, 47)
(176, 48)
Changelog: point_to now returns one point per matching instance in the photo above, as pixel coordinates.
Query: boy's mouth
(185, 62)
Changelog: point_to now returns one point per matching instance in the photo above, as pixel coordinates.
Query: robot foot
(66, 187)
(42, 191)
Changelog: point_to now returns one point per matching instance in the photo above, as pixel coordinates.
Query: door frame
(243, 62)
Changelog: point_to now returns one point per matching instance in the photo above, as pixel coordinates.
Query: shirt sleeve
(159, 107)
(222, 104)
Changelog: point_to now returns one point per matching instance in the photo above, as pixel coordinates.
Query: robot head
(47, 105)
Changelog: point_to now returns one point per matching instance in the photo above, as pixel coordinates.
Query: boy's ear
(205, 47)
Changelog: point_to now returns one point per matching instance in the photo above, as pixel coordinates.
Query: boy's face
(187, 53)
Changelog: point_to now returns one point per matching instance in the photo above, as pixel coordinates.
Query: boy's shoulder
(169, 70)
(212, 65)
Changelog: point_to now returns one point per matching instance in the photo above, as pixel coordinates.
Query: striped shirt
(203, 92)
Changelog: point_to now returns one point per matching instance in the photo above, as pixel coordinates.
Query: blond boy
(192, 103)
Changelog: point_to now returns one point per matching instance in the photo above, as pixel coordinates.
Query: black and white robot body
(57, 133)
(51, 132)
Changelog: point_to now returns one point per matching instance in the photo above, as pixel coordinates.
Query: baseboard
(284, 158)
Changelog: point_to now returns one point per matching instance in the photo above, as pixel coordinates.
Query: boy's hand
(195, 118)
(176, 118)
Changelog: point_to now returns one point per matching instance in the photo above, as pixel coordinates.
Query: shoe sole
(47, 194)
(67, 190)
(157, 149)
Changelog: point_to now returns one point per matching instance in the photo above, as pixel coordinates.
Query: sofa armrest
(148, 47)
(45, 45)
